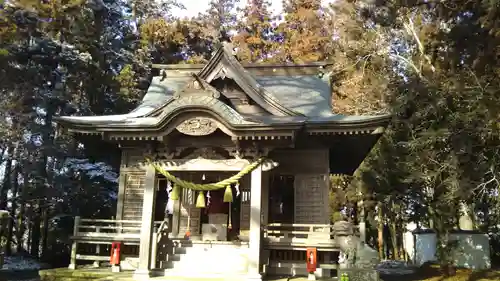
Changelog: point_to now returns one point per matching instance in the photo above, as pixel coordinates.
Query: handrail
(104, 231)
(107, 227)
(299, 232)
(299, 224)
(157, 237)
(110, 221)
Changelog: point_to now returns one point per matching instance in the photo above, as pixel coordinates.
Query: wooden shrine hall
(225, 171)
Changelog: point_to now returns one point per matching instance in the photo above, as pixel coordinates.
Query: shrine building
(225, 171)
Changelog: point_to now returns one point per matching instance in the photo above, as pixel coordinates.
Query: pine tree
(220, 19)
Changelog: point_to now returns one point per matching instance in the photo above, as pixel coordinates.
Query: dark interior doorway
(160, 211)
(281, 199)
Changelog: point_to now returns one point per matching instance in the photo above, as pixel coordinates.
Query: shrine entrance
(215, 220)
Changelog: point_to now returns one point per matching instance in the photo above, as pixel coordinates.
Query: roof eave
(379, 120)
(373, 126)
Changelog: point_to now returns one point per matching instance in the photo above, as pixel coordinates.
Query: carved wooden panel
(134, 195)
(198, 126)
(133, 157)
(310, 193)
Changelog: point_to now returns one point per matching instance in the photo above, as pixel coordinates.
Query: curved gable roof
(223, 60)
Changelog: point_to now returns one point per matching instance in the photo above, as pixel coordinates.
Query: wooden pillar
(255, 225)
(121, 195)
(264, 258)
(265, 199)
(74, 246)
(144, 267)
(176, 217)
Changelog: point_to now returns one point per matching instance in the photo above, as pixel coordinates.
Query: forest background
(434, 65)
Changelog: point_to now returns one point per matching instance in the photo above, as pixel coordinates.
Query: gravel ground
(22, 268)
(395, 268)
(18, 268)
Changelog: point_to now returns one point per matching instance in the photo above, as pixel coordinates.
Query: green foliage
(255, 37)
(441, 148)
(305, 37)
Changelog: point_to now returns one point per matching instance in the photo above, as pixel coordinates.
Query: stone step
(204, 259)
(190, 260)
(205, 267)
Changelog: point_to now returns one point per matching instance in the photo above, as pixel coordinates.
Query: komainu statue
(359, 255)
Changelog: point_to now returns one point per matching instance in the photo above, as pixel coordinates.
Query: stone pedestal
(358, 274)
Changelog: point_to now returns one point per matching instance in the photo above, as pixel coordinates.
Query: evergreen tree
(302, 35)
(220, 19)
(256, 33)
(444, 102)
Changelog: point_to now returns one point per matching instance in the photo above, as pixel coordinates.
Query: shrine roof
(291, 94)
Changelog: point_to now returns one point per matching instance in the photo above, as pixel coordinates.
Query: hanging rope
(210, 186)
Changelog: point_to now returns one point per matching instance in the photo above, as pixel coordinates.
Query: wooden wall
(131, 186)
(311, 171)
(133, 195)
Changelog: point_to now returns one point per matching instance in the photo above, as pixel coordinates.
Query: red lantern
(115, 253)
(311, 260)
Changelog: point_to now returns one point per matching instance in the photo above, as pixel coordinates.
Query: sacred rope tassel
(174, 195)
(228, 194)
(200, 201)
(237, 187)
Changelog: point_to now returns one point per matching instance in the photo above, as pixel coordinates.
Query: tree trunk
(6, 186)
(45, 231)
(394, 234)
(13, 209)
(35, 233)
(380, 229)
(20, 218)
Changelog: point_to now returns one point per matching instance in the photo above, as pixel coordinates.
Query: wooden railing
(160, 232)
(101, 233)
(280, 231)
(290, 236)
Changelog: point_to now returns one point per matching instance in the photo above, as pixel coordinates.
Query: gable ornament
(198, 126)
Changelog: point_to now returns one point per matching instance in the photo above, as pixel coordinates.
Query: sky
(194, 7)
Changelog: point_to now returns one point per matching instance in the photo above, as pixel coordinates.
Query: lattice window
(310, 192)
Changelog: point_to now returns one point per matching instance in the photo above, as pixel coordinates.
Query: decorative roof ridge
(251, 82)
(204, 86)
(247, 81)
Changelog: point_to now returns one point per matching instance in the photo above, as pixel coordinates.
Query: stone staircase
(187, 258)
